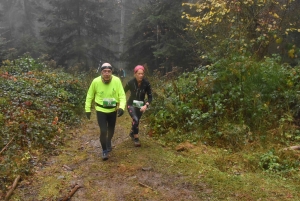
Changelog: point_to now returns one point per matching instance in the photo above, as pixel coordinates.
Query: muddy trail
(149, 172)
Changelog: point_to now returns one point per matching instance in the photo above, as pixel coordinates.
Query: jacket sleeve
(89, 98)
(126, 88)
(149, 93)
(122, 96)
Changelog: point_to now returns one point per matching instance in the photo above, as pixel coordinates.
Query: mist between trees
(161, 34)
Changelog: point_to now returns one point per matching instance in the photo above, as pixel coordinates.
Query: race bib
(109, 102)
(138, 104)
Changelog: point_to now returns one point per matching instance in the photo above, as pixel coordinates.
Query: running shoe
(104, 155)
(137, 142)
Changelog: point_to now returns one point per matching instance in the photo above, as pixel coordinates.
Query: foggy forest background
(78, 35)
(81, 33)
(72, 33)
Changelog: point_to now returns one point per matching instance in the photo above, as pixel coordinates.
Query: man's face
(106, 74)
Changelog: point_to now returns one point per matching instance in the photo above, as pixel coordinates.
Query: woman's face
(139, 75)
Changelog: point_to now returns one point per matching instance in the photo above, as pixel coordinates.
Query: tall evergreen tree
(77, 32)
(121, 15)
(19, 26)
(2, 39)
(156, 36)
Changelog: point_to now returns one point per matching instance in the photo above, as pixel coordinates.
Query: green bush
(278, 163)
(36, 105)
(230, 103)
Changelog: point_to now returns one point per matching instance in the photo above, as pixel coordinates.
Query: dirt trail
(130, 173)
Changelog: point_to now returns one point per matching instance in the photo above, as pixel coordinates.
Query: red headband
(138, 67)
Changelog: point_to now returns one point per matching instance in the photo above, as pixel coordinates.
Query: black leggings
(136, 115)
(106, 122)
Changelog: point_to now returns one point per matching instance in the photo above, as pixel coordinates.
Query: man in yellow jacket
(110, 100)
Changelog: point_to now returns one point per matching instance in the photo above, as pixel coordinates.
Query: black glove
(88, 115)
(120, 112)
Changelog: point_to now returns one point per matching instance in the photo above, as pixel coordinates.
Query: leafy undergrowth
(224, 160)
(36, 104)
(230, 103)
(151, 172)
(249, 108)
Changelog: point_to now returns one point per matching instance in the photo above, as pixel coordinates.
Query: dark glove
(120, 112)
(88, 115)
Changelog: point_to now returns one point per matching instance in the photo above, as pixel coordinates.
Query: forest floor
(148, 172)
(151, 172)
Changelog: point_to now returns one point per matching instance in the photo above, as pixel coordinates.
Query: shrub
(233, 102)
(36, 104)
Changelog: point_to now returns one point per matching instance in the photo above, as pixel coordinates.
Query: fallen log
(67, 167)
(76, 187)
(296, 147)
(144, 185)
(12, 188)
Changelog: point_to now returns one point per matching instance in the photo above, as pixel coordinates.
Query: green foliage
(259, 28)
(36, 105)
(271, 162)
(231, 103)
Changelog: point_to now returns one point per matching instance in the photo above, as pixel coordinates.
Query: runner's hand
(88, 115)
(144, 108)
(120, 112)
